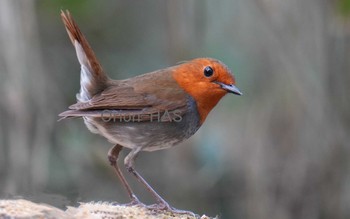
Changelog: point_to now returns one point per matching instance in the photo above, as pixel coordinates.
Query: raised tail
(92, 77)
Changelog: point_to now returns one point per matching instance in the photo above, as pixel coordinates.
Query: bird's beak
(231, 88)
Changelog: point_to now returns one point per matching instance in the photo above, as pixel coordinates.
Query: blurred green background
(279, 151)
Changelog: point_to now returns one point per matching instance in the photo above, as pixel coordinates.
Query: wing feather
(145, 96)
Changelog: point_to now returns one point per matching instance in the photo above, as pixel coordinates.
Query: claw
(135, 202)
(168, 208)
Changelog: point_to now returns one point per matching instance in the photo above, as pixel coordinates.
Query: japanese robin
(149, 112)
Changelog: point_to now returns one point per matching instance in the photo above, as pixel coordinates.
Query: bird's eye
(208, 71)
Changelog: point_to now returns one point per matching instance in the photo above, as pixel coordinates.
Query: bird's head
(207, 80)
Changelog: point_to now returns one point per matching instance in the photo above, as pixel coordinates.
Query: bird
(149, 112)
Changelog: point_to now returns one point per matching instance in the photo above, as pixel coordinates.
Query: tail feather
(92, 79)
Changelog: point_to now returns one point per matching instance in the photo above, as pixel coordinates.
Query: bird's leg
(113, 154)
(129, 162)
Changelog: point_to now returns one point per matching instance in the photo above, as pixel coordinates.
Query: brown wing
(143, 96)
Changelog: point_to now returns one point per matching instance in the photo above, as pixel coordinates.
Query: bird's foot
(166, 207)
(135, 202)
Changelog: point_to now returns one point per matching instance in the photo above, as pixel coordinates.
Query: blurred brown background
(280, 151)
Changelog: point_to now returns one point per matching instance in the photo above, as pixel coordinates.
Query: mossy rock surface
(24, 209)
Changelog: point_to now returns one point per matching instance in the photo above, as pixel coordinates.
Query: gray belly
(151, 136)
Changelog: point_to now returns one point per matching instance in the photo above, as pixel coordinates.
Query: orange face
(207, 81)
